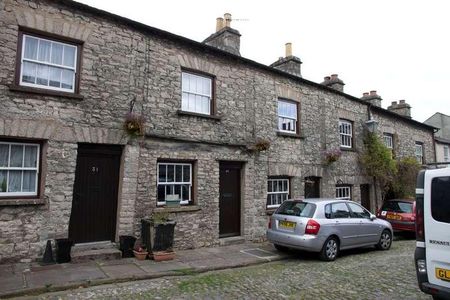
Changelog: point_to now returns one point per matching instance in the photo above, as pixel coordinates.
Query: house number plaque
(94, 169)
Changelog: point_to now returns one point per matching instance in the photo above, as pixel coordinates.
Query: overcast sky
(399, 48)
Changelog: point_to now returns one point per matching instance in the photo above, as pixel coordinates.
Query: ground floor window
(175, 182)
(344, 192)
(19, 169)
(277, 191)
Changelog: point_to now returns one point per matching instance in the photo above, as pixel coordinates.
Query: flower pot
(163, 255)
(126, 245)
(140, 255)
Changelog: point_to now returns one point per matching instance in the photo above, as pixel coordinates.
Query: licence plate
(393, 217)
(287, 224)
(443, 274)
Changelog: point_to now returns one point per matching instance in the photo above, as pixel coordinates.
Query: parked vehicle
(326, 226)
(400, 213)
(432, 255)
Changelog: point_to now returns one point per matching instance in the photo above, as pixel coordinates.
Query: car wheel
(330, 249)
(385, 240)
(281, 248)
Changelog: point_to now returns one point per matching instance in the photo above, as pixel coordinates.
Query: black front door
(365, 196)
(94, 205)
(312, 187)
(230, 199)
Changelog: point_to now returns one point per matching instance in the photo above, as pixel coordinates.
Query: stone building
(442, 136)
(229, 136)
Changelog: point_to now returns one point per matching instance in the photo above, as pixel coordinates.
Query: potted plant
(134, 124)
(259, 145)
(158, 234)
(139, 250)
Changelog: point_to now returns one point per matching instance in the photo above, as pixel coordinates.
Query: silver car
(326, 226)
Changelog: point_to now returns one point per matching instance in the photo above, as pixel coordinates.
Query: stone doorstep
(93, 246)
(234, 240)
(94, 251)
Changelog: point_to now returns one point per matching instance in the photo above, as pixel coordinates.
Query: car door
(368, 231)
(346, 227)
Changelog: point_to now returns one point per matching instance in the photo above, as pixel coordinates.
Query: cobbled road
(356, 274)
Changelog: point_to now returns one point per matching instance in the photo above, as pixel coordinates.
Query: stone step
(234, 240)
(94, 251)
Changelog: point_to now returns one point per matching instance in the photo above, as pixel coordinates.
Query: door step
(234, 240)
(95, 251)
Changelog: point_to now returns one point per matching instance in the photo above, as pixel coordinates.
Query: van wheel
(330, 249)
(281, 248)
(385, 240)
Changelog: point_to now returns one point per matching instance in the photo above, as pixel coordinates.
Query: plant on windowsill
(330, 156)
(139, 250)
(134, 124)
(158, 234)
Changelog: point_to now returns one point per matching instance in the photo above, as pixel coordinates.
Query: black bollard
(48, 254)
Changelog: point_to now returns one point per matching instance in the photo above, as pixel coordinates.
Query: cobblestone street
(357, 274)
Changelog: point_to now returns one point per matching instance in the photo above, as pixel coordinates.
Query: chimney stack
(225, 37)
(402, 108)
(372, 98)
(334, 82)
(289, 64)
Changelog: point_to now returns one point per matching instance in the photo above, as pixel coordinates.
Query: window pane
(177, 191)
(161, 193)
(55, 77)
(185, 101)
(186, 174)
(57, 53)
(29, 181)
(170, 173)
(184, 82)
(4, 154)
(162, 173)
(29, 72)
(67, 79)
(3, 181)
(30, 160)
(42, 75)
(31, 46)
(179, 173)
(205, 105)
(15, 178)
(69, 56)
(185, 192)
(16, 156)
(440, 210)
(191, 102)
(44, 51)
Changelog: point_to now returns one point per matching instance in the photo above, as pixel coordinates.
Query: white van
(432, 255)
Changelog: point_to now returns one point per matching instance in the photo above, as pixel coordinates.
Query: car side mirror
(372, 217)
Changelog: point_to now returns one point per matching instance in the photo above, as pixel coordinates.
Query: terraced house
(230, 137)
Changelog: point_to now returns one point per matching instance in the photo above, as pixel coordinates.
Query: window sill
(290, 135)
(348, 149)
(21, 201)
(193, 114)
(44, 92)
(182, 208)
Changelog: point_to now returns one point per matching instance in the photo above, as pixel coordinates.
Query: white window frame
(388, 140)
(275, 181)
(47, 87)
(8, 168)
(283, 117)
(419, 152)
(344, 192)
(175, 182)
(446, 153)
(184, 89)
(346, 134)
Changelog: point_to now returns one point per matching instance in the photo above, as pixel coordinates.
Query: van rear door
(437, 226)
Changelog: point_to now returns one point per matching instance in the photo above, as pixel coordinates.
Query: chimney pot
(227, 18)
(288, 49)
(394, 103)
(334, 76)
(219, 24)
(365, 94)
(326, 78)
(402, 101)
(373, 93)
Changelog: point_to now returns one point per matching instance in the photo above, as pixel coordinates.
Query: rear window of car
(440, 199)
(398, 207)
(299, 209)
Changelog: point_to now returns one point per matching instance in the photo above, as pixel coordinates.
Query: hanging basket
(134, 124)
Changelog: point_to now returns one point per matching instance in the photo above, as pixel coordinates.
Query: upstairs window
(346, 133)
(419, 152)
(287, 116)
(197, 96)
(19, 168)
(277, 191)
(47, 63)
(388, 140)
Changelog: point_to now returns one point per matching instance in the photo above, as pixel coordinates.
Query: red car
(401, 213)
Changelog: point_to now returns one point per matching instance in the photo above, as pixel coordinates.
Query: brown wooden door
(230, 199)
(365, 196)
(312, 187)
(94, 205)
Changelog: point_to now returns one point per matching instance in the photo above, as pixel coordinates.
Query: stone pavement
(34, 279)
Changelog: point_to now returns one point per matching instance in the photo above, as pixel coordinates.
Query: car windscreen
(398, 207)
(440, 199)
(295, 208)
